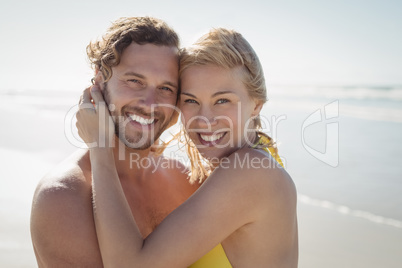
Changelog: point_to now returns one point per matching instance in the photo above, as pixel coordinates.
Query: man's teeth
(141, 120)
(211, 137)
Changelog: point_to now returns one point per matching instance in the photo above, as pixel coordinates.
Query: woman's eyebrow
(213, 95)
(188, 94)
(222, 92)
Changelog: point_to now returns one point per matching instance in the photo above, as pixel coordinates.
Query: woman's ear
(257, 108)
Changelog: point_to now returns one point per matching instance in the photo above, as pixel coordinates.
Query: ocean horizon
(340, 144)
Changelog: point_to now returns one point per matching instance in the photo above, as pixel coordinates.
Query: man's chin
(136, 145)
(136, 141)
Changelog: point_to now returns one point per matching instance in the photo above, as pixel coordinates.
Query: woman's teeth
(211, 137)
(141, 120)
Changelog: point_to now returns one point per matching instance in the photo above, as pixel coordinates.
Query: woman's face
(217, 110)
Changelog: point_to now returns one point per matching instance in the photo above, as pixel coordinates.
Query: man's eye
(135, 81)
(167, 89)
(220, 101)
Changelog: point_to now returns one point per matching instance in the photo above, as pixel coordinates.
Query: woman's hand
(94, 123)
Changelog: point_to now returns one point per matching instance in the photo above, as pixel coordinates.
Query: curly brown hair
(105, 52)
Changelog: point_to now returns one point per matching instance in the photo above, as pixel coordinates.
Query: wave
(349, 211)
(372, 113)
(295, 97)
(362, 111)
(47, 102)
(390, 93)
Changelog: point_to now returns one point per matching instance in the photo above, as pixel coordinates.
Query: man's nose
(148, 99)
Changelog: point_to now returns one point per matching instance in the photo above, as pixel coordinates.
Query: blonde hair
(227, 49)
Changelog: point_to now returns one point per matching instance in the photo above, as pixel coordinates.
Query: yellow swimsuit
(217, 258)
(270, 149)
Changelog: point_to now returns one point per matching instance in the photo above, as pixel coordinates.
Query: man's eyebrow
(170, 84)
(143, 77)
(134, 74)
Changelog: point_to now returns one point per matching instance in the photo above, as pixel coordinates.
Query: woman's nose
(206, 118)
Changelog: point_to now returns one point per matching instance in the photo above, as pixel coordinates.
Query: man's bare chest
(149, 208)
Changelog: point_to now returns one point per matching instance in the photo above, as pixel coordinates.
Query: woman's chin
(215, 154)
(211, 154)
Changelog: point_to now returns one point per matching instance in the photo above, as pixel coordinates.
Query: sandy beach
(332, 240)
(332, 233)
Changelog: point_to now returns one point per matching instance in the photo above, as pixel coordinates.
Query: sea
(341, 145)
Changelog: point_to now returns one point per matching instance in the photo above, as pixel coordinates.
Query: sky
(322, 42)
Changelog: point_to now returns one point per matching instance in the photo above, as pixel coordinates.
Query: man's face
(143, 90)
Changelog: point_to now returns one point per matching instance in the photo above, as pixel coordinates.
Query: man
(136, 67)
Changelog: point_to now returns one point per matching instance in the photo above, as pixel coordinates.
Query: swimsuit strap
(265, 143)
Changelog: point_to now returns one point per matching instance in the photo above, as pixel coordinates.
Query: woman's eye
(190, 101)
(220, 101)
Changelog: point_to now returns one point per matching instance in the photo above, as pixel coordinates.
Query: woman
(244, 213)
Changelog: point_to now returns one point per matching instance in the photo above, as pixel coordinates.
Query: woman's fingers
(85, 100)
(98, 79)
(96, 95)
(94, 123)
(86, 97)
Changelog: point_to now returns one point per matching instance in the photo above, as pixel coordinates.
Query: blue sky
(299, 42)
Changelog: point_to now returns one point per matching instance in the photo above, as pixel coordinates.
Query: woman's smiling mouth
(210, 139)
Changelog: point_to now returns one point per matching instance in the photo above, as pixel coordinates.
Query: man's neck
(130, 162)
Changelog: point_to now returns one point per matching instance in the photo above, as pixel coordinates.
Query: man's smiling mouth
(141, 120)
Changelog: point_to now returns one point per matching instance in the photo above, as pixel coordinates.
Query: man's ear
(99, 80)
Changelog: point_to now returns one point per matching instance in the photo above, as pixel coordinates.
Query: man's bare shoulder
(68, 177)
(62, 227)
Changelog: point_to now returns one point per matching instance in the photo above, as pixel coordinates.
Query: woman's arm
(229, 199)
(117, 232)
